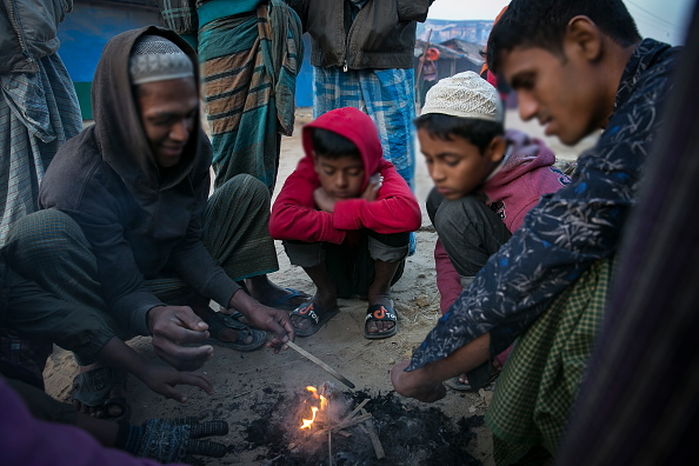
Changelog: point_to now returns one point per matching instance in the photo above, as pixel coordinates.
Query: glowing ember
(308, 423)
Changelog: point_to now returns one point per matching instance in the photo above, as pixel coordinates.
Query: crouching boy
(486, 181)
(345, 215)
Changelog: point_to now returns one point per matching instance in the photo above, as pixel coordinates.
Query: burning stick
(317, 361)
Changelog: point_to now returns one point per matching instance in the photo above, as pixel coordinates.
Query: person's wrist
(140, 370)
(419, 381)
(152, 315)
(240, 301)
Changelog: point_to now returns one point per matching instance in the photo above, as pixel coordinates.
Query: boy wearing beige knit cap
(486, 180)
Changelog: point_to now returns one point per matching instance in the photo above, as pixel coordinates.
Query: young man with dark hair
(345, 215)
(576, 66)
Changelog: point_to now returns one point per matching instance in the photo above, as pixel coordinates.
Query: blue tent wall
(85, 32)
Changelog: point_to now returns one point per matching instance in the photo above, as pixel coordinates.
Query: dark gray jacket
(139, 221)
(28, 32)
(381, 36)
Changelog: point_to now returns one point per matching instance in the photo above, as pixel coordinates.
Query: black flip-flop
(218, 322)
(381, 313)
(307, 310)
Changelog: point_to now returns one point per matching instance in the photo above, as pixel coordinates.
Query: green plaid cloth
(540, 381)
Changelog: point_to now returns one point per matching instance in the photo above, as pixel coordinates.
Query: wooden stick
(351, 422)
(355, 411)
(320, 363)
(370, 429)
(342, 425)
(330, 448)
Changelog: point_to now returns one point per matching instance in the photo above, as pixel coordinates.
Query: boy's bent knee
(304, 254)
(465, 209)
(389, 248)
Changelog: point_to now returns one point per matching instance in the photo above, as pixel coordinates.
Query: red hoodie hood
(356, 126)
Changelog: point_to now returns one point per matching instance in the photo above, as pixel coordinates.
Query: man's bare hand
(416, 384)
(163, 379)
(274, 321)
(178, 336)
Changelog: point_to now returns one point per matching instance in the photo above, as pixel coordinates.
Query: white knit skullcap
(154, 58)
(464, 95)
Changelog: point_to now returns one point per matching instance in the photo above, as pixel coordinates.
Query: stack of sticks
(358, 416)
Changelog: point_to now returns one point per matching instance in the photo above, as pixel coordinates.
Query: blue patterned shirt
(568, 230)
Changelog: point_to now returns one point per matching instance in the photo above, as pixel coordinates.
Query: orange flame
(308, 423)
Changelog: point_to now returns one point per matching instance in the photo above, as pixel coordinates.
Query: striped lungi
(38, 112)
(52, 260)
(387, 96)
(249, 64)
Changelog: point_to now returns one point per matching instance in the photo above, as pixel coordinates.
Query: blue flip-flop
(286, 301)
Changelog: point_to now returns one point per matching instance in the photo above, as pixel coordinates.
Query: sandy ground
(243, 380)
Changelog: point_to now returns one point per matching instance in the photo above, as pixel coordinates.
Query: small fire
(308, 423)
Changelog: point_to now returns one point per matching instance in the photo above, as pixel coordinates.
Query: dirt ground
(246, 382)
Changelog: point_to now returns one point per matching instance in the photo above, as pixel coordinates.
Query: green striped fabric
(249, 65)
(540, 381)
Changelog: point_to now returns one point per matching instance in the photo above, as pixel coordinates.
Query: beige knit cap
(464, 95)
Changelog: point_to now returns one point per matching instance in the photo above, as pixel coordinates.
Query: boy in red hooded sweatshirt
(345, 215)
(486, 181)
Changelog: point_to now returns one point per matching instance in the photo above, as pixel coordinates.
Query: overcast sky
(661, 19)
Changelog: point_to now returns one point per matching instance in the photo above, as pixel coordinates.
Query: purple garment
(639, 402)
(25, 441)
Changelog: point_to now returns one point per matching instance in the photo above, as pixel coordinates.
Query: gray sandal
(93, 388)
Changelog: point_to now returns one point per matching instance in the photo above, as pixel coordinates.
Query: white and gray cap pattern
(155, 58)
(464, 95)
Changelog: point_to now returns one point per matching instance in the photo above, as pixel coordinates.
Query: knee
(460, 211)
(245, 190)
(389, 248)
(43, 236)
(304, 255)
(247, 185)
